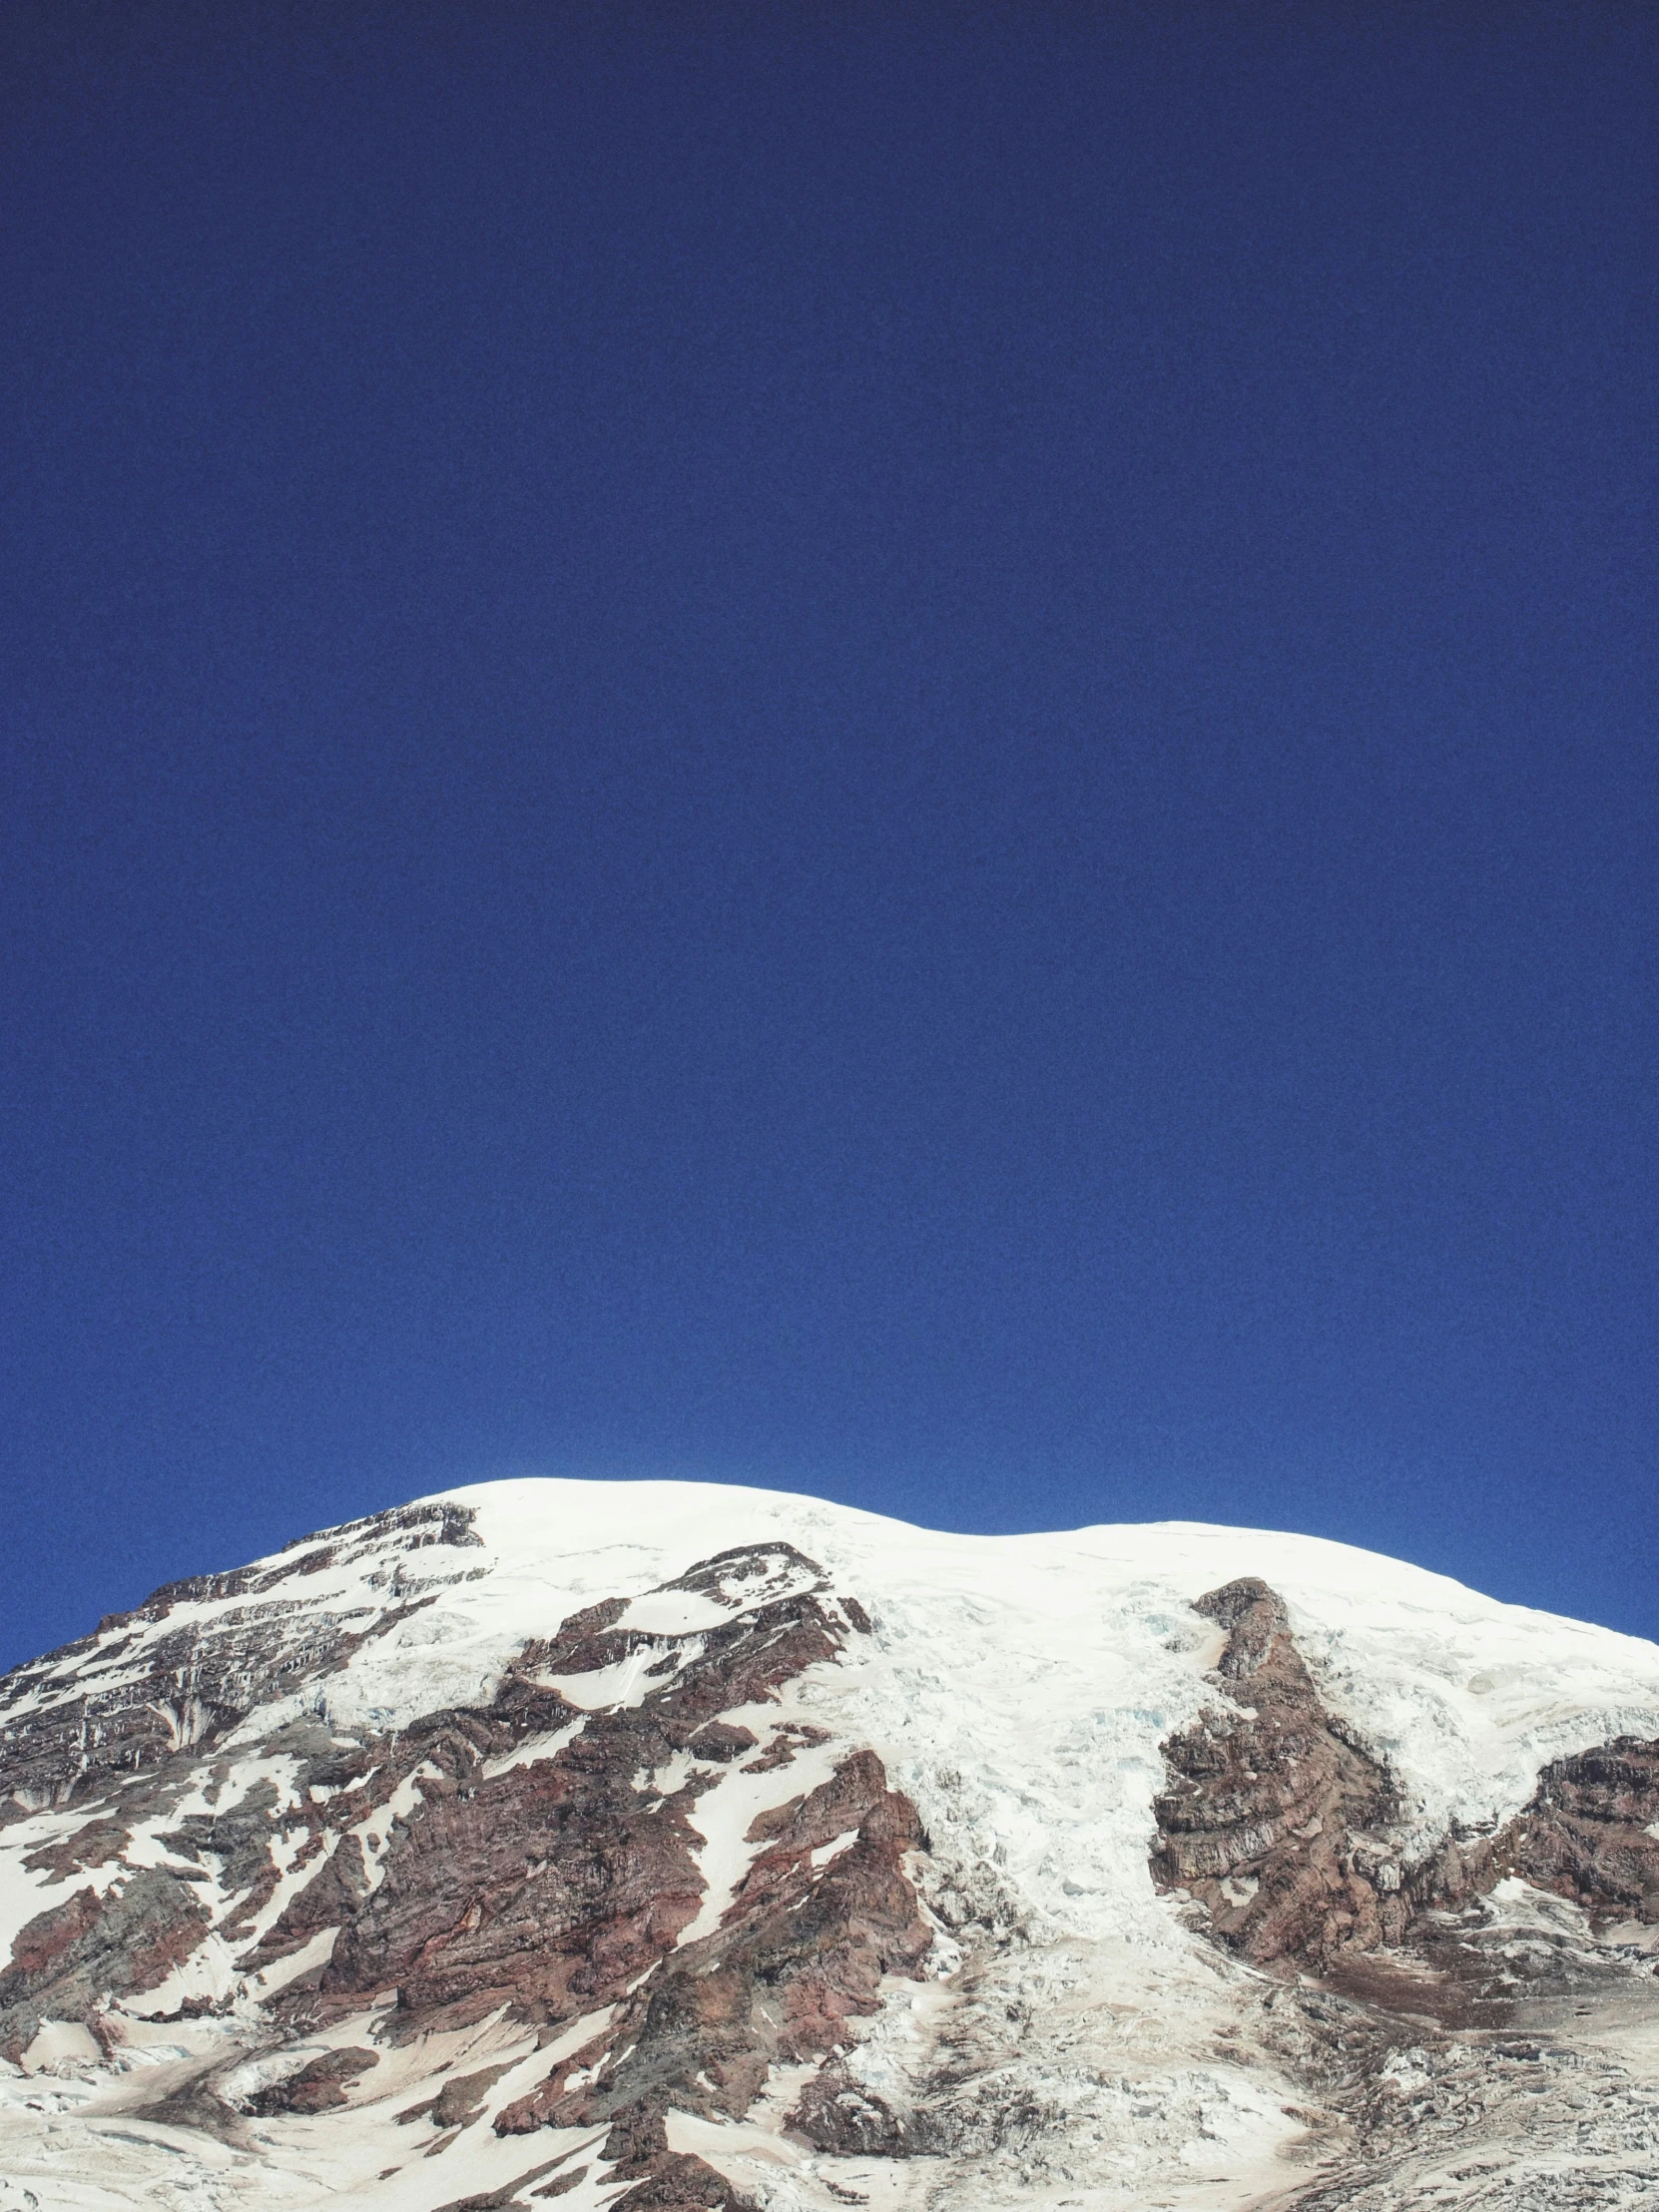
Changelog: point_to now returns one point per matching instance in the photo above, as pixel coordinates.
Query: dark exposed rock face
(675, 2182)
(1588, 1834)
(1421, 2003)
(554, 1885)
(318, 2085)
(534, 1857)
(1585, 1834)
(797, 1960)
(66, 1738)
(1278, 1820)
(836, 2113)
(98, 1720)
(70, 1959)
(824, 1910)
(1275, 1819)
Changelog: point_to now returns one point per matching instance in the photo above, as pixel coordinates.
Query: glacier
(1073, 2034)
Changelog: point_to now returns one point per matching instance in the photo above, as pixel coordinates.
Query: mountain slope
(672, 1845)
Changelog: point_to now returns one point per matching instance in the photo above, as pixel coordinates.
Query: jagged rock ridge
(1278, 1820)
(1286, 1829)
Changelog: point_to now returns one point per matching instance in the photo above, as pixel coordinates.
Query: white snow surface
(1034, 1657)
(1017, 1688)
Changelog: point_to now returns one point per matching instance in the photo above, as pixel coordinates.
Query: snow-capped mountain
(663, 1846)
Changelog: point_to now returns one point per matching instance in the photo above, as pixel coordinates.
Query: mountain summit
(677, 1847)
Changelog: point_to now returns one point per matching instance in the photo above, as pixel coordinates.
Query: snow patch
(724, 1814)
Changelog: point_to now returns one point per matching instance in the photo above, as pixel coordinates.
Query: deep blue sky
(898, 750)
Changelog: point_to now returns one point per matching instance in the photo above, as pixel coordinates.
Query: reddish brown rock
(318, 2085)
(1274, 1818)
(70, 1957)
(843, 2116)
(797, 1962)
(545, 1882)
(93, 1845)
(1278, 1820)
(1584, 1835)
(1588, 1831)
(552, 1886)
(719, 1741)
(679, 2183)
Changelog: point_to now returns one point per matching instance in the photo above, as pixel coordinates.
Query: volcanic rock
(678, 1849)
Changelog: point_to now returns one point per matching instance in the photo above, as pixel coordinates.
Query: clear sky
(901, 749)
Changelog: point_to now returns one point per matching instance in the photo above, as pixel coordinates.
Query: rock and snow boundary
(294, 1864)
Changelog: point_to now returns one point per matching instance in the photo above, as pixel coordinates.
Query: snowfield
(1018, 1690)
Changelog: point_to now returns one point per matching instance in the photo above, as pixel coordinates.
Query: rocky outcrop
(318, 2085)
(537, 1858)
(797, 1960)
(125, 1699)
(835, 2112)
(1588, 1834)
(1591, 1832)
(1276, 1820)
(553, 1885)
(70, 1960)
(673, 2181)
